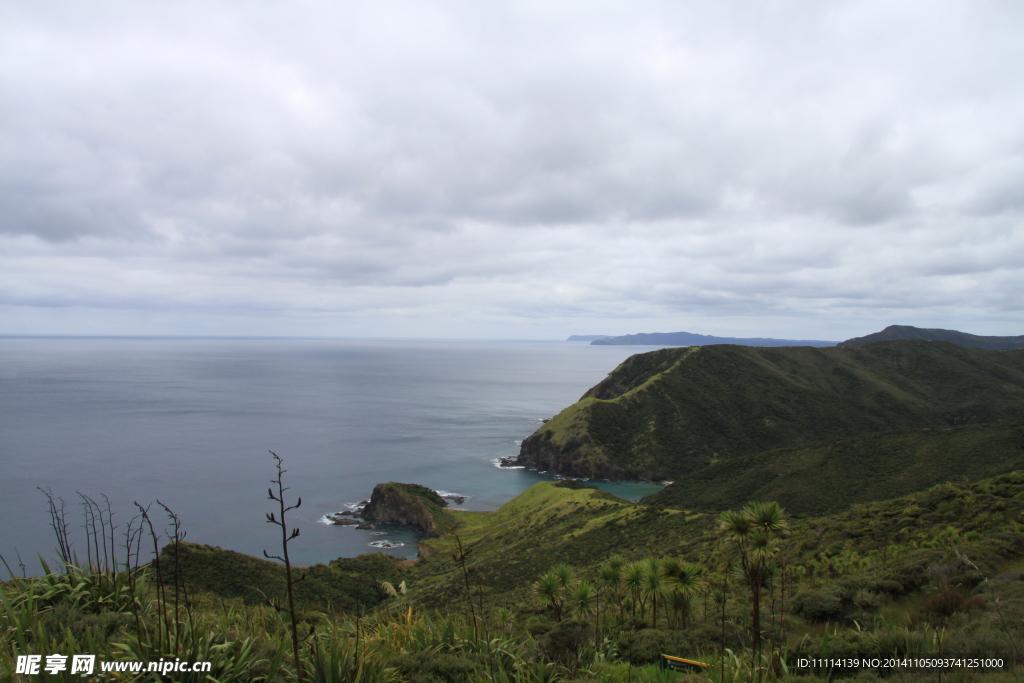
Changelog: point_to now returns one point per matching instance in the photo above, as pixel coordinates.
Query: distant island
(690, 339)
(900, 332)
(890, 333)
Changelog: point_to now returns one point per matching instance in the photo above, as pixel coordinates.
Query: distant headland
(691, 339)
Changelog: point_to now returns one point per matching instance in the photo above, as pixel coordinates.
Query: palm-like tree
(555, 587)
(652, 586)
(549, 589)
(584, 598)
(677, 605)
(609, 578)
(754, 531)
(685, 580)
(633, 578)
(565, 575)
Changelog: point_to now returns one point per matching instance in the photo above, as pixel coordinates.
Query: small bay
(190, 422)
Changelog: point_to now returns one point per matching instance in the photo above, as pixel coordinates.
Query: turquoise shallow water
(190, 422)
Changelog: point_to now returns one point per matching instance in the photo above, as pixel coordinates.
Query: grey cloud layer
(602, 162)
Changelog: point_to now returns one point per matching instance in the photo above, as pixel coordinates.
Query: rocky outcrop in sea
(405, 505)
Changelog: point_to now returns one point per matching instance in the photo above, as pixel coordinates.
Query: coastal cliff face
(407, 505)
(670, 413)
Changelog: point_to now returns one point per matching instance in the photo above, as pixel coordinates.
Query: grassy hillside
(938, 571)
(547, 524)
(347, 584)
(568, 522)
(894, 332)
(829, 476)
(669, 413)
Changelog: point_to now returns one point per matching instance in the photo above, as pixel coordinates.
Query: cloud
(586, 162)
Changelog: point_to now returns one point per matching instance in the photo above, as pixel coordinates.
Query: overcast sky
(813, 170)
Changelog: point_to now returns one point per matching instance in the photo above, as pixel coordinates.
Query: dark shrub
(890, 587)
(535, 627)
(101, 627)
(573, 484)
(707, 637)
(439, 667)
(819, 604)
(941, 606)
(647, 646)
(911, 575)
(565, 641)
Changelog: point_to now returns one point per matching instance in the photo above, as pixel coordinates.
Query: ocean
(191, 423)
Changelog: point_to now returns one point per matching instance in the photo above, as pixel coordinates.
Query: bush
(941, 606)
(867, 601)
(985, 639)
(912, 574)
(839, 643)
(647, 646)
(890, 587)
(819, 604)
(707, 637)
(573, 484)
(565, 642)
(439, 667)
(537, 626)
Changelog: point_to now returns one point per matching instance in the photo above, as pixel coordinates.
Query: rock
(339, 520)
(364, 525)
(406, 505)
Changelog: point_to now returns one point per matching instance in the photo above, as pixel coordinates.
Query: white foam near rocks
(499, 463)
(456, 498)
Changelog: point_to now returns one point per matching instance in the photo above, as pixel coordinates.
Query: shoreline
(397, 536)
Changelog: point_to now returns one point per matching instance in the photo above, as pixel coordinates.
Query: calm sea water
(191, 422)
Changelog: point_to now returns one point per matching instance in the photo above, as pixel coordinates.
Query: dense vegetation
(669, 413)
(570, 583)
(829, 476)
(345, 584)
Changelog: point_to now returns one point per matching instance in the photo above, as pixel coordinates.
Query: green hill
(830, 476)
(547, 524)
(897, 332)
(345, 583)
(567, 522)
(669, 413)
